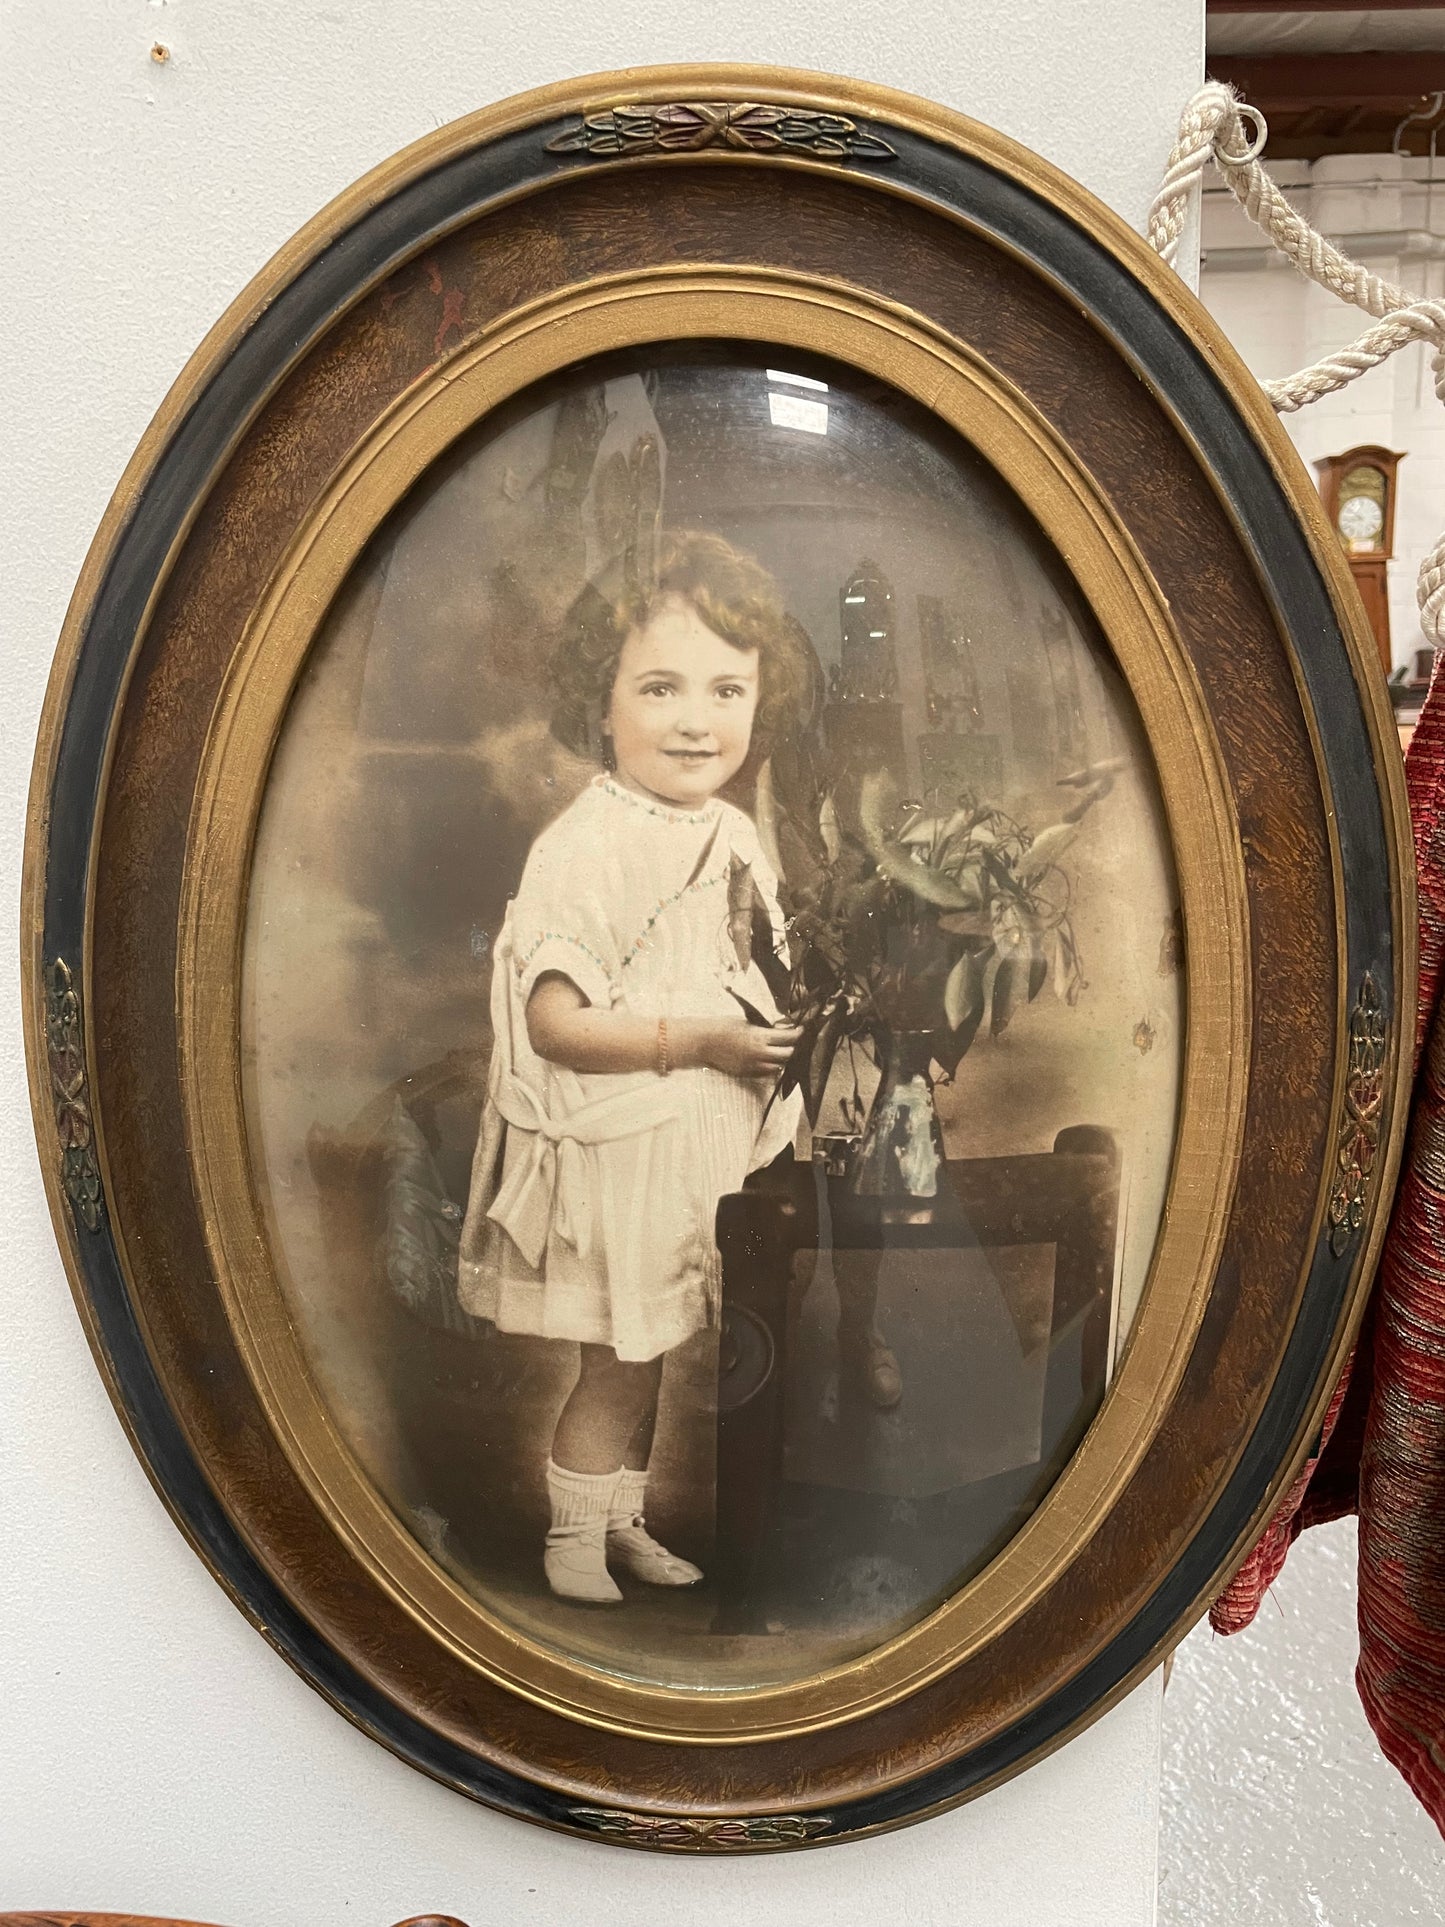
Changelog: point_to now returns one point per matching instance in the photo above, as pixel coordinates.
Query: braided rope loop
(1216, 126)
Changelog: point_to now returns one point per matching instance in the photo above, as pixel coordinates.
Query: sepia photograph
(713, 1014)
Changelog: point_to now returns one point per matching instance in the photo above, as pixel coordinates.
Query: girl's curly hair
(737, 599)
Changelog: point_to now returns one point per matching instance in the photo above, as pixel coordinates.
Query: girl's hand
(565, 1029)
(742, 1049)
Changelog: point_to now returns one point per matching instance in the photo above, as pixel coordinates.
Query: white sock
(627, 1499)
(632, 1547)
(579, 1499)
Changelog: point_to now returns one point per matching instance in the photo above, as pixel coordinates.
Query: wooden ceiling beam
(1313, 147)
(1292, 82)
(1318, 6)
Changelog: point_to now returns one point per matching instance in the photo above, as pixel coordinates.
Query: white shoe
(575, 1559)
(575, 1563)
(632, 1547)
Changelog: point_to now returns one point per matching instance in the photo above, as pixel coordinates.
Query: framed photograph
(719, 947)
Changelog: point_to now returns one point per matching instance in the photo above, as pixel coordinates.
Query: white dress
(593, 1195)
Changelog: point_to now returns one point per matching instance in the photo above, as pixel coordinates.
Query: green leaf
(967, 923)
(921, 878)
(959, 1041)
(828, 828)
(797, 1062)
(1002, 1008)
(820, 1064)
(963, 991)
(1094, 773)
(764, 950)
(1045, 850)
(750, 1011)
(1002, 875)
(1038, 968)
(1011, 925)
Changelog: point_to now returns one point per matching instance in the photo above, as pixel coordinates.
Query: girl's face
(681, 712)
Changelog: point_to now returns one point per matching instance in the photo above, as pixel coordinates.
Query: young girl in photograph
(628, 1091)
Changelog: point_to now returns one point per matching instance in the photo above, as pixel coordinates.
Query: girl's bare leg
(599, 1464)
(609, 1415)
(639, 1448)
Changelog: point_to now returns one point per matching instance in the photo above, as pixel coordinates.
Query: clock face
(1360, 520)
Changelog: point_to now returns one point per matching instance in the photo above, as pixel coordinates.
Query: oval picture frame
(666, 217)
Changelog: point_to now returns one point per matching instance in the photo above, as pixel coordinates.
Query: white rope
(1218, 127)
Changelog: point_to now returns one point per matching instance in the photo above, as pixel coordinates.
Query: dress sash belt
(549, 1189)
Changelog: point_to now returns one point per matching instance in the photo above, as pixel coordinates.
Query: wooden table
(1067, 1197)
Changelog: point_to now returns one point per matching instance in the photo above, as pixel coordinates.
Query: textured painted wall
(1279, 1809)
(156, 1755)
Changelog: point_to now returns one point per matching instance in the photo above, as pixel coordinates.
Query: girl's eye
(732, 689)
(657, 689)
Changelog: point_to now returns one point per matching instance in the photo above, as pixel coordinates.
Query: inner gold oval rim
(775, 308)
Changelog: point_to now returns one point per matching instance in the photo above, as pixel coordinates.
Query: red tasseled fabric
(1383, 1443)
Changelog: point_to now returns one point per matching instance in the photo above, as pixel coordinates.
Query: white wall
(1380, 209)
(1267, 1749)
(156, 1755)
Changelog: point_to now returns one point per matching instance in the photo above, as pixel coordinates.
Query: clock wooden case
(1358, 491)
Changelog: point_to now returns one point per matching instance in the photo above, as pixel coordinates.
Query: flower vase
(901, 1155)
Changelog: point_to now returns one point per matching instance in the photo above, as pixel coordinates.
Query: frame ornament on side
(65, 1050)
(1360, 1125)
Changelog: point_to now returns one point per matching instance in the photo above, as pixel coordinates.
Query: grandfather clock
(1358, 490)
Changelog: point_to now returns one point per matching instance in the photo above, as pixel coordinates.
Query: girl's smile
(680, 717)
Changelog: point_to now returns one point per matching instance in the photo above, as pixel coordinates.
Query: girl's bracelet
(663, 1063)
